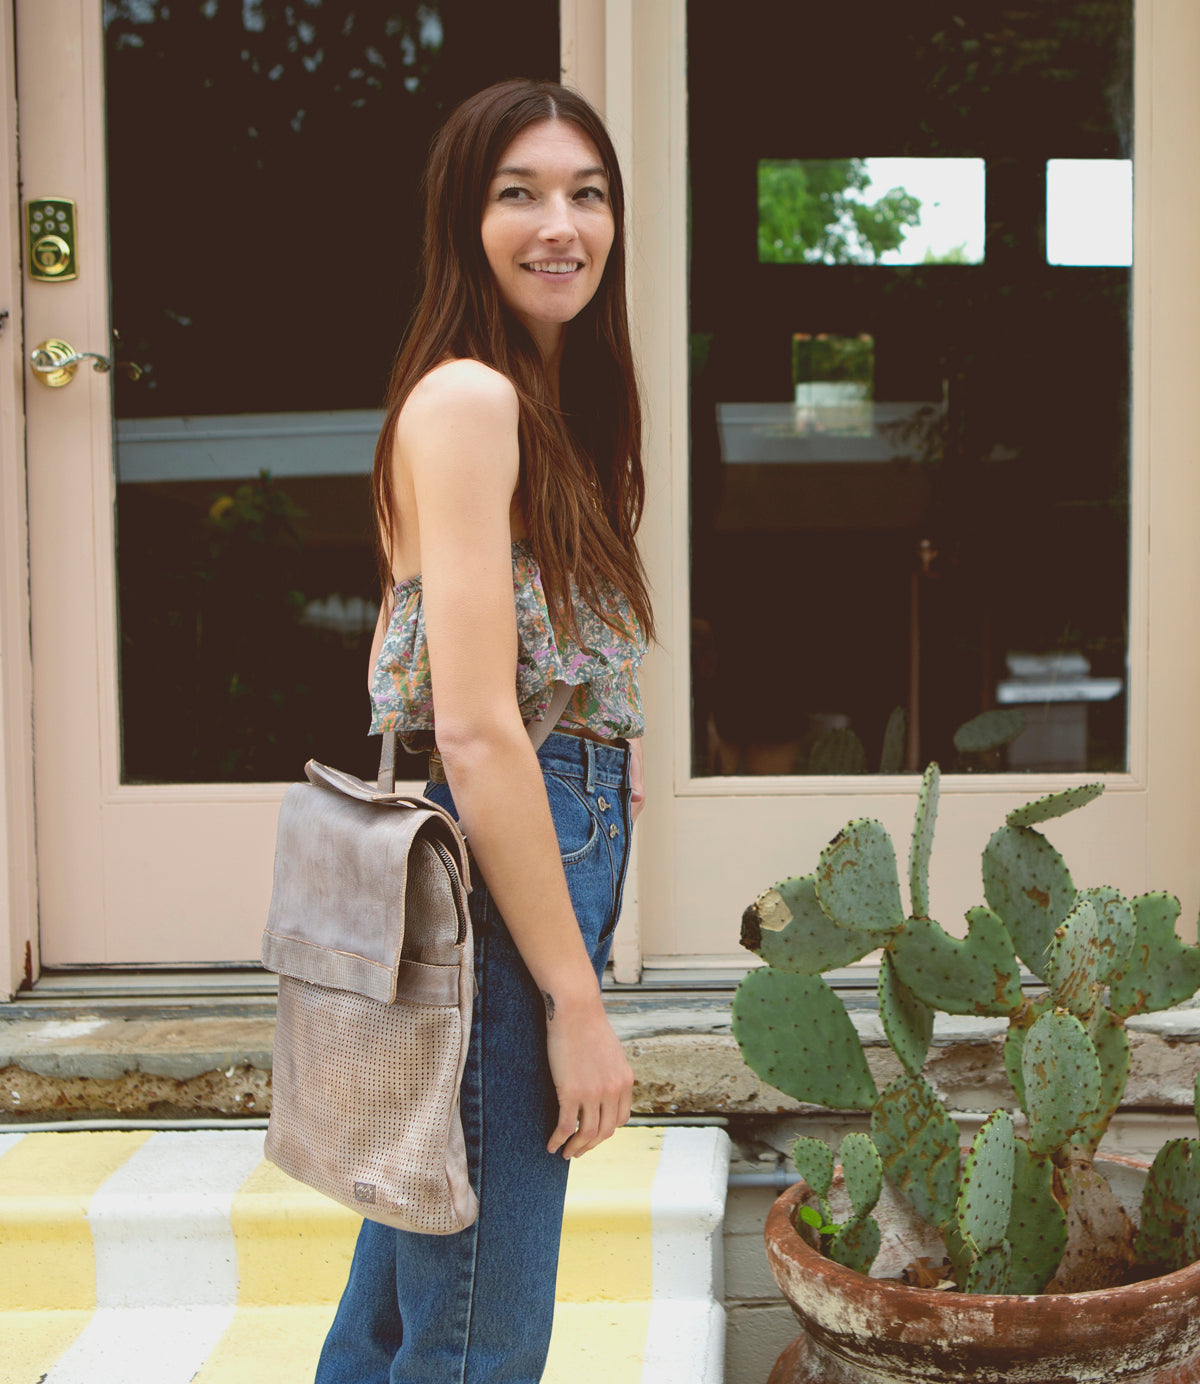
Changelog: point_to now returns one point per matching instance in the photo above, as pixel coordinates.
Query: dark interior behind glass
(961, 592)
(263, 164)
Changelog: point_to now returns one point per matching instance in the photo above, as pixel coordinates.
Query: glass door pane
(264, 159)
(910, 423)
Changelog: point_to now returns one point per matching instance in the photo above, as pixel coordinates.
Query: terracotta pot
(860, 1330)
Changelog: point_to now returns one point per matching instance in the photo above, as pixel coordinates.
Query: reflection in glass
(1089, 211)
(909, 483)
(263, 165)
(870, 211)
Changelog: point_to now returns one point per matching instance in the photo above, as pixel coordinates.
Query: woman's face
(548, 226)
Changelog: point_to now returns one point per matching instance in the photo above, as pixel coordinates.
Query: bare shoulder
(463, 392)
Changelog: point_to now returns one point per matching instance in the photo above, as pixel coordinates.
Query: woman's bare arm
(457, 435)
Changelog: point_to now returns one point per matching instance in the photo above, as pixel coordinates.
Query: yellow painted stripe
(268, 1343)
(293, 1245)
(606, 1252)
(30, 1342)
(598, 1343)
(46, 1184)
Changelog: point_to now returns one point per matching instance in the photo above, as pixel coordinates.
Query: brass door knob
(55, 362)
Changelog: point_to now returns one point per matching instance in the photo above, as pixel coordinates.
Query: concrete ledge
(134, 1059)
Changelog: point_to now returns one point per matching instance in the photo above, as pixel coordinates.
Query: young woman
(508, 488)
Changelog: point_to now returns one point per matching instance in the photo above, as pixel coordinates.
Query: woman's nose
(558, 223)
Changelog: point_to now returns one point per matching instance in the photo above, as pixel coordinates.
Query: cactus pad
(1169, 1233)
(989, 1273)
(863, 1172)
(988, 731)
(891, 757)
(856, 1244)
(1074, 960)
(918, 1144)
(814, 1162)
(977, 975)
(922, 842)
(1118, 928)
(1112, 1048)
(1061, 1072)
(986, 1187)
(1037, 1227)
(838, 751)
(1161, 970)
(1028, 884)
(907, 1021)
(785, 926)
(1014, 1040)
(795, 1033)
(1054, 805)
(857, 883)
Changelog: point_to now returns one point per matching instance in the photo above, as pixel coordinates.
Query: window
(909, 455)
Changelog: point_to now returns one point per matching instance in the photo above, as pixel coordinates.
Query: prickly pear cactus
(907, 1021)
(1037, 1225)
(918, 1144)
(990, 1271)
(814, 1162)
(1160, 970)
(1074, 962)
(988, 731)
(1054, 805)
(1169, 1233)
(1061, 1073)
(795, 1033)
(1118, 928)
(1027, 883)
(922, 842)
(977, 975)
(1111, 1042)
(891, 757)
(838, 751)
(985, 1189)
(863, 1172)
(856, 1244)
(857, 884)
(785, 926)
(1014, 1041)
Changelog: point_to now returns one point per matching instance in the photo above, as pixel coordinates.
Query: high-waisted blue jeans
(476, 1307)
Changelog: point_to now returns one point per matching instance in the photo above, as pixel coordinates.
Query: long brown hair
(581, 485)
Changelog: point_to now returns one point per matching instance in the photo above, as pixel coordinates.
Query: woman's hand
(592, 1077)
(637, 780)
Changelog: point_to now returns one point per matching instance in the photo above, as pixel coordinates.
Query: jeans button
(602, 804)
(612, 831)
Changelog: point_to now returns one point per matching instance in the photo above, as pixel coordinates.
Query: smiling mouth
(552, 267)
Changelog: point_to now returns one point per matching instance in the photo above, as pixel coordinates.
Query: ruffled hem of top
(601, 664)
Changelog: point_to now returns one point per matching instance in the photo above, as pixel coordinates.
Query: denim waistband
(573, 756)
(588, 760)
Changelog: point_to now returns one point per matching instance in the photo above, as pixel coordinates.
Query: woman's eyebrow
(511, 171)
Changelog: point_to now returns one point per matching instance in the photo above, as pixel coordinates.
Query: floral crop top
(602, 665)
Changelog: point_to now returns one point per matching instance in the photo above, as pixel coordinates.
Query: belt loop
(589, 750)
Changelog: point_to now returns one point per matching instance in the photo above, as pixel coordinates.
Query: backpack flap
(368, 893)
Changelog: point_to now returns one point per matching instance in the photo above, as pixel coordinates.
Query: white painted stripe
(685, 1340)
(142, 1345)
(161, 1223)
(685, 1344)
(687, 1207)
(8, 1141)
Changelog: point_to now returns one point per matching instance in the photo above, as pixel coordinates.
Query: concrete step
(141, 1257)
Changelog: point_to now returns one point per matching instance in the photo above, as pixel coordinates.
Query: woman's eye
(591, 194)
(512, 193)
